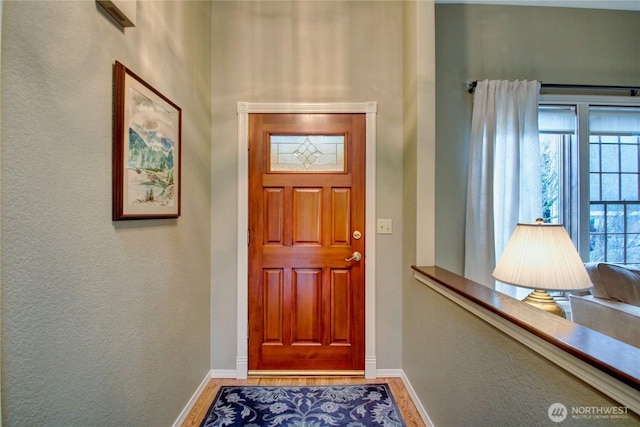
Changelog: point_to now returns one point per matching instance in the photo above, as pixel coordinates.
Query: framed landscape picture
(146, 150)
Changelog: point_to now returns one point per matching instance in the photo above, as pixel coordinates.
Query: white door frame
(243, 110)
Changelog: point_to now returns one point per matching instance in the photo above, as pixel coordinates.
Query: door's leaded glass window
(307, 153)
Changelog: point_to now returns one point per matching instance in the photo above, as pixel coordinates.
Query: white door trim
(243, 110)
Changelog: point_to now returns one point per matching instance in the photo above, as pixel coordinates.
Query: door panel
(306, 300)
(274, 216)
(306, 199)
(307, 216)
(341, 212)
(340, 307)
(273, 298)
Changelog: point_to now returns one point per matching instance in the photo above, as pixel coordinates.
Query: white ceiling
(590, 4)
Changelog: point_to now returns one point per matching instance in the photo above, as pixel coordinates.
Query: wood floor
(400, 394)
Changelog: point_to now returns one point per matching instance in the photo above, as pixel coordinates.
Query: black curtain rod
(633, 90)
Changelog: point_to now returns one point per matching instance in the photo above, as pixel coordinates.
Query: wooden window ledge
(609, 365)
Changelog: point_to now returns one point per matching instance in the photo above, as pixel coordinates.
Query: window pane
(610, 190)
(633, 248)
(615, 219)
(629, 186)
(596, 219)
(307, 153)
(608, 139)
(550, 160)
(629, 139)
(610, 157)
(596, 253)
(594, 187)
(594, 157)
(615, 248)
(629, 158)
(633, 218)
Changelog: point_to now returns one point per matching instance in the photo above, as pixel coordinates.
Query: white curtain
(504, 185)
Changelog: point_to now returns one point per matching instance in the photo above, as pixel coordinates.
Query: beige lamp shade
(542, 256)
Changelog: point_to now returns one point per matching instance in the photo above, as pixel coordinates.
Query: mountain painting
(147, 145)
(150, 153)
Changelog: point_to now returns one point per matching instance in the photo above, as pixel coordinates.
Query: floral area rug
(318, 406)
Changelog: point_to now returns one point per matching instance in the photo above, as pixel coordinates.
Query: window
(558, 139)
(591, 173)
(307, 153)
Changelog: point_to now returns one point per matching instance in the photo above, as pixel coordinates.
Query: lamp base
(542, 300)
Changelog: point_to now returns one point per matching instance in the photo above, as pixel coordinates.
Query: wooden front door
(306, 221)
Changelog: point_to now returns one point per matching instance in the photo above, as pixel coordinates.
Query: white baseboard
(370, 370)
(196, 395)
(223, 373)
(389, 373)
(399, 373)
(242, 368)
(416, 400)
(231, 373)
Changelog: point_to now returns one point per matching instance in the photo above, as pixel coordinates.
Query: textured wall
(468, 373)
(298, 51)
(551, 44)
(102, 323)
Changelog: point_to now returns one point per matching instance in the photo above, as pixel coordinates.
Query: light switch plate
(384, 226)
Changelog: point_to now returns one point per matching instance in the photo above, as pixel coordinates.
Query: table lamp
(542, 257)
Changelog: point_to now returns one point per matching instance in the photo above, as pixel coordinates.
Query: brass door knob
(357, 256)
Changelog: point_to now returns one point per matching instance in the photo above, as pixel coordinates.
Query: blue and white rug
(317, 406)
